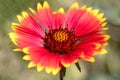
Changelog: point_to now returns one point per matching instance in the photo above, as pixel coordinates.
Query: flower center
(59, 41)
(60, 36)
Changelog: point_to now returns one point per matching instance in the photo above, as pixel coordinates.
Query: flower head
(52, 40)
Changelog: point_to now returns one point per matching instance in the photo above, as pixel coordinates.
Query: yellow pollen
(60, 36)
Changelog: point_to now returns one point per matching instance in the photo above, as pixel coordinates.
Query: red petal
(72, 17)
(31, 26)
(92, 43)
(59, 19)
(45, 17)
(41, 56)
(69, 58)
(86, 24)
(24, 40)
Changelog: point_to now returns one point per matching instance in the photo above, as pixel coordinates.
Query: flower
(53, 40)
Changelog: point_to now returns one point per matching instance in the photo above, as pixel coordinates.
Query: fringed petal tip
(32, 10)
(18, 49)
(102, 51)
(20, 18)
(13, 37)
(75, 6)
(94, 12)
(55, 71)
(25, 14)
(48, 70)
(26, 57)
(61, 10)
(86, 58)
(31, 65)
(90, 59)
(39, 7)
(67, 64)
(25, 50)
(14, 26)
(39, 68)
(106, 37)
(46, 4)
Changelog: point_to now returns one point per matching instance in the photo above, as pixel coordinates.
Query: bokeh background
(106, 67)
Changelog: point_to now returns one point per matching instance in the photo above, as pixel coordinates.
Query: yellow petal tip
(99, 16)
(83, 7)
(103, 51)
(17, 49)
(61, 10)
(24, 14)
(55, 71)
(48, 70)
(46, 4)
(106, 37)
(32, 10)
(25, 50)
(89, 9)
(75, 5)
(26, 57)
(39, 68)
(31, 64)
(19, 18)
(95, 12)
(39, 6)
(91, 59)
(66, 64)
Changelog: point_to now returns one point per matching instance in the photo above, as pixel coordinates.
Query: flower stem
(62, 73)
(61, 78)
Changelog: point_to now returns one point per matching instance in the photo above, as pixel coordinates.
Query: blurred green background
(106, 67)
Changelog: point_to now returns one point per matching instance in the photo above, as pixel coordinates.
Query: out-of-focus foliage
(106, 67)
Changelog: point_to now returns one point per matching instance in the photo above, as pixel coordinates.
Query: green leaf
(78, 66)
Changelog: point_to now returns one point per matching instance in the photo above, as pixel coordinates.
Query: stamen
(60, 36)
(59, 40)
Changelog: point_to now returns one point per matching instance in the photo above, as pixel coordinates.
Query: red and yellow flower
(52, 40)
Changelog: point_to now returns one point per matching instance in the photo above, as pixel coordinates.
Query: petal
(92, 45)
(30, 23)
(87, 58)
(96, 38)
(44, 15)
(31, 64)
(46, 4)
(72, 17)
(69, 58)
(89, 22)
(39, 67)
(23, 40)
(44, 59)
(39, 6)
(75, 5)
(26, 57)
(23, 30)
(59, 18)
(100, 51)
(32, 10)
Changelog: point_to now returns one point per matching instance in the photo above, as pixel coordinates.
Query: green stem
(61, 78)
(62, 73)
